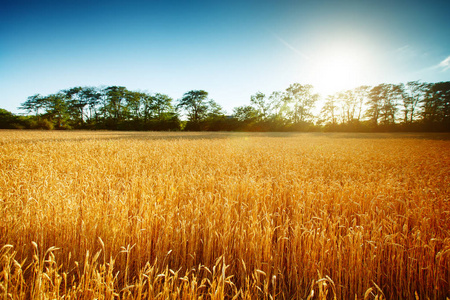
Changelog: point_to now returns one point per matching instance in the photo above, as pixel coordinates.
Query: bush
(42, 124)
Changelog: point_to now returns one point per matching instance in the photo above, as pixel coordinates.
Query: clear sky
(231, 49)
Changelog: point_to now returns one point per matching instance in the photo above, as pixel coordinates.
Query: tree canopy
(412, 106)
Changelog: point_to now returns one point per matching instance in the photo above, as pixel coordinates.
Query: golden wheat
(131, 215)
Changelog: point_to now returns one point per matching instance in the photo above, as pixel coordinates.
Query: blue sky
(231, 49)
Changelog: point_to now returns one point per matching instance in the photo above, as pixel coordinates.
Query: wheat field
(133, 215)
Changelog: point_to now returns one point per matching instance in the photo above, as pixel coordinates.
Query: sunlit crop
(109, 215)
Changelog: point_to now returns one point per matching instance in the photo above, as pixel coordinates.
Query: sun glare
(335, 70)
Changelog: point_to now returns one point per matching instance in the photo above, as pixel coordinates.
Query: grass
(112, 215)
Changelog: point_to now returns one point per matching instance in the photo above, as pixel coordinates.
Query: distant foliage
(414, 106)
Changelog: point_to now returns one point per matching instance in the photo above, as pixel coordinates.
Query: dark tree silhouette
(195, 104)
(114, 106)
(413, 93)
(383, 101)
(411, 106)
(33, 103)
(436, 105)
(56, 106)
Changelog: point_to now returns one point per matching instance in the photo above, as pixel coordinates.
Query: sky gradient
(231, 49)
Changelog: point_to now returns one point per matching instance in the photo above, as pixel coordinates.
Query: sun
(338, 69)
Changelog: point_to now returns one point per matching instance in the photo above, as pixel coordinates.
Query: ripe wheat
(112, 215)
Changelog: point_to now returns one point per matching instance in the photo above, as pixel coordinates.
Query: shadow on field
(228, 135)
(184, 135)
(78, 136)
(396, 135)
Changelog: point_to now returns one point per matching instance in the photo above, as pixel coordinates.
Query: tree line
(414, 106)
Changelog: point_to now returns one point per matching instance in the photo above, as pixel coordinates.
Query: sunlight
(338, 68)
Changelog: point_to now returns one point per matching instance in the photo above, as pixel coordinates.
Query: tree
(194, 102)
(56, 106)
(162, 106)
(413, 94)
(245, 113)
(92, 97)
(383, 103)
(33, 103)
(329, 109)
(76, 103)
(374, 104)
(346, 104)
(349, 105)
(361, 93)
(261, 104)
(278, 104)
(441, 91)
(246, 117)
(301, 101)
(390, 103)
(133, 104)
(8, 120)
(115, 107)
(215, 119)
(159, 113)
(114, 104)
(215, 110)
(436, 104)
(147, 107)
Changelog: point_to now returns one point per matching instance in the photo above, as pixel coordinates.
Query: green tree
(133, 105)
(301, 100)
(215, 119)
(8, 120)
(195, 103)
(215, 110)
(147, 107)
(56, 106)
(245, 113)
(76, 103)
(246, 116)
(159, 113)
(114, 105)
(162, 106)
(92, 97)
(33, 103)
(262, 105)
